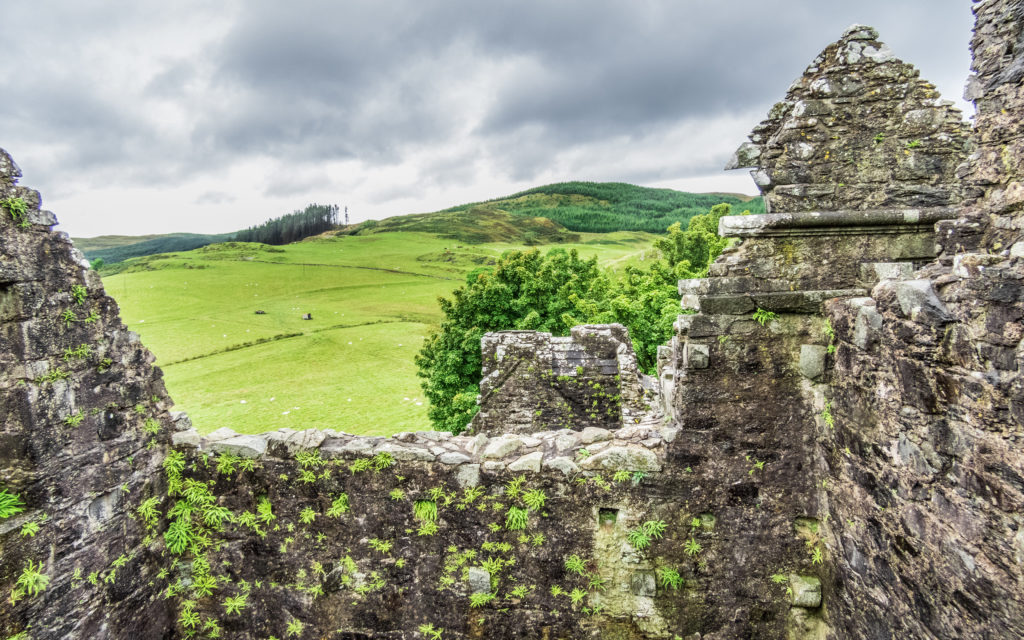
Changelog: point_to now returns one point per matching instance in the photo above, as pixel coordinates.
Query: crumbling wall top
(533, 381)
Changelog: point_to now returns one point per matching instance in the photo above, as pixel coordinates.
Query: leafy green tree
(691, 252)
(525, 290)
(647, 302)
(553, 293)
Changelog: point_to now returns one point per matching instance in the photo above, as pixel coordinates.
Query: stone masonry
(83, 429)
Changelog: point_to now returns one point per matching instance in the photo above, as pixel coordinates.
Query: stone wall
(374, 537)
(994, 173)
(914, 384)
(83, 422)
(535, 382)
(927, 465)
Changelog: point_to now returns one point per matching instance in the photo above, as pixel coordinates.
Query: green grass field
(372, 298)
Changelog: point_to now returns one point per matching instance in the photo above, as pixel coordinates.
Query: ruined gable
(535, 382)
(858, 130)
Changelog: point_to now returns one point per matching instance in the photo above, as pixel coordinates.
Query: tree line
(292, 227)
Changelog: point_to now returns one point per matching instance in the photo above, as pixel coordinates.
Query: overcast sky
(134, 116)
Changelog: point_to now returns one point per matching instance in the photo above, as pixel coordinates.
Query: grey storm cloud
(138, 92)
(368, 79)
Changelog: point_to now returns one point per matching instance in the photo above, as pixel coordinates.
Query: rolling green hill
(113, 249)
(474, 224)
(611, 206)
(372, 298)
(543, 215)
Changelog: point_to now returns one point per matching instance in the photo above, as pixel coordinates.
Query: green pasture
(372, 299)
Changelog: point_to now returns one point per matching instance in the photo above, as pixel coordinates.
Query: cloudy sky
(136, 116)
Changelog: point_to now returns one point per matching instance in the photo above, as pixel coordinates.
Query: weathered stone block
(502, 447)
(806, 591)
(479, 580)
(245, 446)
(189, 438)
(405, 452)
(867, 324)
(625, 458)
(642, 583)
(223, 433)
(873, 272)
(529, 462)
(591, 435)
(698, 356)
(916, 300)
(812, 360)
(468, 475)
(563, 464)
(453, 457)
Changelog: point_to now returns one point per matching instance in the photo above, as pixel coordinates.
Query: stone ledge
(874, 221)
(779, 301)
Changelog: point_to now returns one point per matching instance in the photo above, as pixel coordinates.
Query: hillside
(112, 249)
(372, 299)
(553, 213)
(602, 207)
(473, 224)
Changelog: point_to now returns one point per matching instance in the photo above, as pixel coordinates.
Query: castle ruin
(832, 448)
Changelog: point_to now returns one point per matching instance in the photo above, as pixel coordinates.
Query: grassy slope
(109, 242)
(117, 248)
(611, 206)
(372, 297)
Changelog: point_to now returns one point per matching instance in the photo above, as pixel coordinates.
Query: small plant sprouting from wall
(30, 583)
(430, 632)
(575, 564)
(641, 536)
(692, 547)
(79, 293)
(830, 333)
(18, 209)
(670, 578)
(516, 518)
(763, 316)
(10, 504)
(425, 510)
(339, 506)
(826, 415)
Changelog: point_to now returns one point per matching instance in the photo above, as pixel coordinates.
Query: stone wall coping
(637, 447)
(768, 224)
